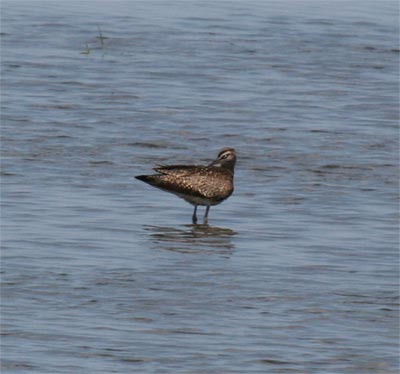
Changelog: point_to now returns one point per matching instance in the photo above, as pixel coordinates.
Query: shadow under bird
(198, 185)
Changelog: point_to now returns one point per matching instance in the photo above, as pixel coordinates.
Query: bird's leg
(194, 217)
(206, 215)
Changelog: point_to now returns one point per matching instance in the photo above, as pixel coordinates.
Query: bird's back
(193, 183)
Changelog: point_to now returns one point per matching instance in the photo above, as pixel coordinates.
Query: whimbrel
(198, 185)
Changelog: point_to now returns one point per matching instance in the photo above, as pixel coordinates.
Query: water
(296, 273)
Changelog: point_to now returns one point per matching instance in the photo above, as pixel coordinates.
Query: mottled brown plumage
(198, 185)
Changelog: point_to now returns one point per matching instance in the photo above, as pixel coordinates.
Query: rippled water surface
(297, 272)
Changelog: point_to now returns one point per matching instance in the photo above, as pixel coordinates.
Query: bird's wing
(180, 170)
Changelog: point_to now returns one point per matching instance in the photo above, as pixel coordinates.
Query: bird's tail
(143, 178)
(153, 180)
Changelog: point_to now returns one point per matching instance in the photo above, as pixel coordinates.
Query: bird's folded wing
(180, 170)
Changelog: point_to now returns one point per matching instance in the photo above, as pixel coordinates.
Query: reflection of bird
(193, 238)
(198, 185)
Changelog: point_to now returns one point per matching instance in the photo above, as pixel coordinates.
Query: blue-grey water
(297, 272)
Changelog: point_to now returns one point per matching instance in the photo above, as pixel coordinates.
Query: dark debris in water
(147, 145)
(273, 362)
(101, 162)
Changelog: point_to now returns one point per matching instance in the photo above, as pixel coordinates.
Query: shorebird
(198, 185)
